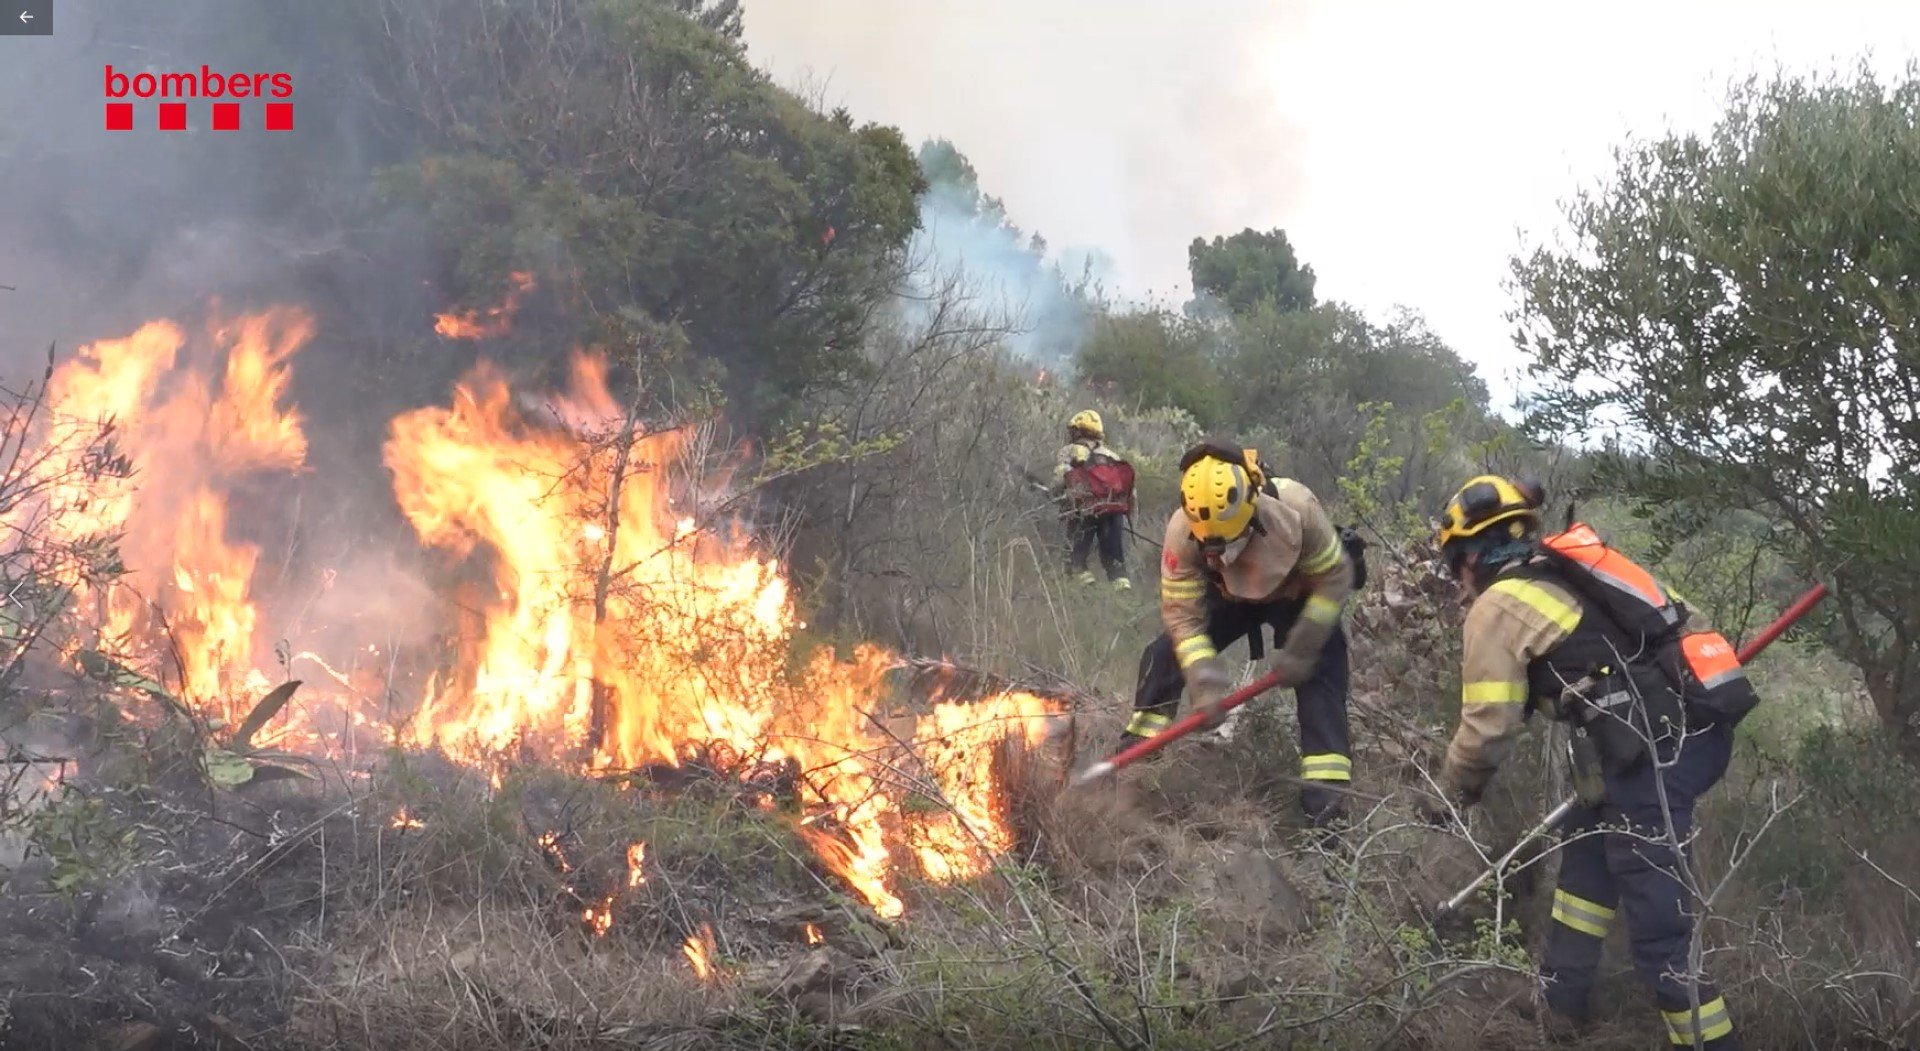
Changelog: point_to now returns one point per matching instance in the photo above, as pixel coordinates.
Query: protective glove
(1207, 684)
(1293, 666)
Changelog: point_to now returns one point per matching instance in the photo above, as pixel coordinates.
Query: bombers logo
(219, 88)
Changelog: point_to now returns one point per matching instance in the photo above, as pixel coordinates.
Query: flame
(813, 935)
(402, 820)
(599, 919)
(612, 629)
(699, 950)
(687, 650)
(490, 322)
(550, 846)
(636, 859)
(194, 419)
(956, 741)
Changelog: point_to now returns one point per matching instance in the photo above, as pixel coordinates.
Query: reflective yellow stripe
(1714, 1022)
(1582, 915)
(1328, 557)
(1146, 724)
(1182, 590)
(1321, 610)
(1327, 766)
(1566, 617)
(1493, 693)
(1198, 648)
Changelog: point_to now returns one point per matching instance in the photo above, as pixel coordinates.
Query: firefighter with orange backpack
(1094, 486)
(1569, 626)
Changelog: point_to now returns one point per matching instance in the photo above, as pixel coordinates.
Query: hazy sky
(1403, 145)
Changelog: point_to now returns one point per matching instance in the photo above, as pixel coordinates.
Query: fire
(599, 919)
(687, 649)
(960, 840)
(699, 950)
(612, 630)
(488, 323)
(813, 935)
(550, 846)
(402, 820)
(636, 859)
(195, 418)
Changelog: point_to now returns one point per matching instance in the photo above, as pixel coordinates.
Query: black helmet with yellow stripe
(1491, 515)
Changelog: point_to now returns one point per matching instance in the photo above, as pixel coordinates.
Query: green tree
(1155, 359)
(1304, 373)
(1248, 270)
(627, 152)
(1738, 312)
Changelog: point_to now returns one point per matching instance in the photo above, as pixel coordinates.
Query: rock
(1249, 898)
(821, 984)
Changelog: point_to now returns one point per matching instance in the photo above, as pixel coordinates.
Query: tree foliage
(631, 155)
(1250, 270)
(1157, 359)
(1741, 309)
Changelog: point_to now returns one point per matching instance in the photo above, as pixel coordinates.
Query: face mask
(1231, 551)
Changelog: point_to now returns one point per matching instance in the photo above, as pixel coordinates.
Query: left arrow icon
(26, 16)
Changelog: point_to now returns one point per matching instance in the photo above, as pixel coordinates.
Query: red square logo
(119, 116)
(173, 116)
(279, 116)
(226, 116)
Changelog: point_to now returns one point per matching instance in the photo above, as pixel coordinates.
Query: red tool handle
(1185, 725)
(1772, 631)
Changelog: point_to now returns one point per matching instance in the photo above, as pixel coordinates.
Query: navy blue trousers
(1620, 859)
(1325, 753)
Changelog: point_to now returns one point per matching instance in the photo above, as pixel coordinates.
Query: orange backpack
(1700, 664)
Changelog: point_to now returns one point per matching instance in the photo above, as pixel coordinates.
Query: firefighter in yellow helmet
(1245, 553)
(1532, 628)
(1094, 487)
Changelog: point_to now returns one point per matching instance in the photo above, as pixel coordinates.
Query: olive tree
(1735, 317)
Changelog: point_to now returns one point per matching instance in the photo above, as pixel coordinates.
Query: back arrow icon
(25, 17)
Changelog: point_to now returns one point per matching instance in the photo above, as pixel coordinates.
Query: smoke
(1135, 125)
(101, 230)
(1008, 274)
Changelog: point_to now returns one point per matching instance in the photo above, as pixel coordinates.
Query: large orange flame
(194, 419)
(614, 632)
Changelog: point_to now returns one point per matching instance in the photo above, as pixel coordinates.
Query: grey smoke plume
(1009, 273)
(1132, 125)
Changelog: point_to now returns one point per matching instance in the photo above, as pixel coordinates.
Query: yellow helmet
(1087, 422)
(1486, 501)
(1217, 496)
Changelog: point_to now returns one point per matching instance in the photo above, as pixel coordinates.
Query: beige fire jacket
(1294, 552)
(1509, 626)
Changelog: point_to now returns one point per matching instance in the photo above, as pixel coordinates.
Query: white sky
(1402, 144)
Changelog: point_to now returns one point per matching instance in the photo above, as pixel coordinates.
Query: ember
(636, 858)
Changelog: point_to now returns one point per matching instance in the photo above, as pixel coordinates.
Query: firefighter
(1244, 553)
(1531, 629)
(1094, 487)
